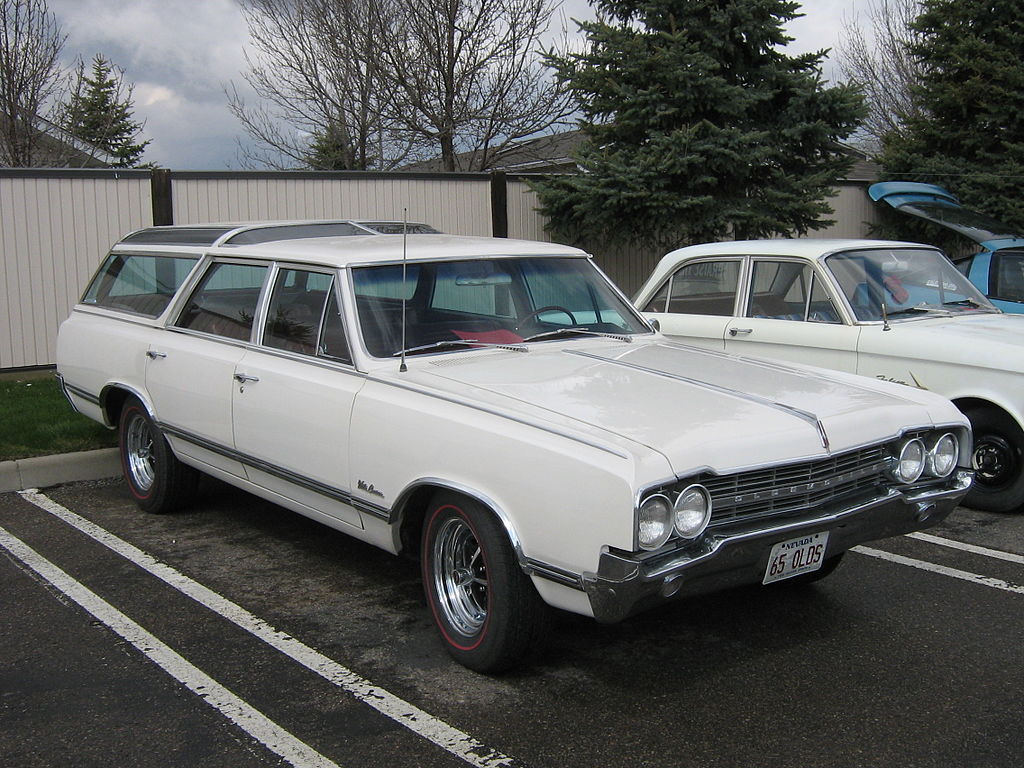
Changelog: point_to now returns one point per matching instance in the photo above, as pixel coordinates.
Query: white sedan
(894, 311)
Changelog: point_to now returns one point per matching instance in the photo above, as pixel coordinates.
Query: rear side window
(142, 285)
(701, 288)
(224, 302)
(1007, 276)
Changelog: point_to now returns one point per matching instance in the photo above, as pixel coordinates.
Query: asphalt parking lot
(240, 634)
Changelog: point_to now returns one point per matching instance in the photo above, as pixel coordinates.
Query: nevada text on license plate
(796, 556)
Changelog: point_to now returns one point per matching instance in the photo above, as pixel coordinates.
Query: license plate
(796, 556)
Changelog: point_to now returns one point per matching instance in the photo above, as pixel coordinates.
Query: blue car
(997, 269)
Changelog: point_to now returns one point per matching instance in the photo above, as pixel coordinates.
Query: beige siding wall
(459, 206)
(55, 228)
(53, 233)
(854, 215)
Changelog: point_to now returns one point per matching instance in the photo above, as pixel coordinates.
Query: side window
(821, 308)
(296, 309)
(140, 284)
(705, 288)
(659, 299)
(779, 289)
(788, 290)
(1007, 276)
(333, 342)
(224, 302)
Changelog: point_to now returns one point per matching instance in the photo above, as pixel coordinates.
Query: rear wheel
(485, 608)
(997, 460)
(157, 480)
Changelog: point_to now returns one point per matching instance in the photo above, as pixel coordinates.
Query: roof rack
(252, 234)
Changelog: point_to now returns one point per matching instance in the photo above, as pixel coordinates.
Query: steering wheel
(542, 310)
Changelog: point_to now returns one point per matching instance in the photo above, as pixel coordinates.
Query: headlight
(692, 512)
(943, 456)
(910, 463)
(654, 523)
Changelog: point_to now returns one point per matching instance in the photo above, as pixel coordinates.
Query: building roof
(544, 154)
(555, 153)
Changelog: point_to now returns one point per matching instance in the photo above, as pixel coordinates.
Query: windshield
(907, 281)
(462, 304)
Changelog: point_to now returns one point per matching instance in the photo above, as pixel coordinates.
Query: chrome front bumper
(626, 584)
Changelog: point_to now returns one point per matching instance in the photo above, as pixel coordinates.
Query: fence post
(163, 207)
(499, 204)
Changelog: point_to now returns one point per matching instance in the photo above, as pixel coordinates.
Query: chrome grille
(793, 488)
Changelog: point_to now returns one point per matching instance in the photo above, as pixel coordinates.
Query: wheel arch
(414, 503)
(965, 404)
(112, 399)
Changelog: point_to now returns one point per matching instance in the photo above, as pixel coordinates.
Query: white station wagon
(499, 410)
(894, 311)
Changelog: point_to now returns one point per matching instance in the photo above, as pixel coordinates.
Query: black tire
(156, 479)
(827, 567)
(485, 608)
(998, 462)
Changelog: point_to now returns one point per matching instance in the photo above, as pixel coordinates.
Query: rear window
(142, 285)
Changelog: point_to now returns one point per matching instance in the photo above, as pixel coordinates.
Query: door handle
(152, 354)
(740, 331)
(242, 378)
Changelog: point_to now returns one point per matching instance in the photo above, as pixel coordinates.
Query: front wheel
(997, 460)
(485, 608)
(157, 480)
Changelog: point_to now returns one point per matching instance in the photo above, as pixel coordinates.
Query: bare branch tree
(371, 83)
(316, 68)
(31, 41)
(467, 77)
(880, 62)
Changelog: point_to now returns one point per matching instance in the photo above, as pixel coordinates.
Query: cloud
(181, 53)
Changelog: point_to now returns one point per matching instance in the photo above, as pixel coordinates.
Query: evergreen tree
(331, 150)
(697, 126)
(99, 112)
(968, 135)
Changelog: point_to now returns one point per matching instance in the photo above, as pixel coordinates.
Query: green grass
(36, 420)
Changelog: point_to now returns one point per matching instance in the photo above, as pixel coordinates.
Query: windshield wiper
(577, 332)
(448, 343)
(968, 302)
(920, 309)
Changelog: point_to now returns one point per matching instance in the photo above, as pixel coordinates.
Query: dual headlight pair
(915, 459)
(659, 518)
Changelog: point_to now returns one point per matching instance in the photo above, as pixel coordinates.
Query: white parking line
(405, 714)
(246, 717)
(1009, 557)
(953, 573)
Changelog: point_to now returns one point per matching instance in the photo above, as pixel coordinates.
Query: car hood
(698, 408)
(968, 339)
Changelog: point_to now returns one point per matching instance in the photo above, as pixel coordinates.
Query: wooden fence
(56, 225)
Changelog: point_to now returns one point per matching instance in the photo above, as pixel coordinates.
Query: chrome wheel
(139, 452)
(460, 577)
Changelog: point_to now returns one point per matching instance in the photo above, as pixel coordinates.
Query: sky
(182, 54)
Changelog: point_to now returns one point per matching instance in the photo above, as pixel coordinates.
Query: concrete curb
(44, 471)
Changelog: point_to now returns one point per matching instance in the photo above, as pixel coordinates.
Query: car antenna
(405, 232)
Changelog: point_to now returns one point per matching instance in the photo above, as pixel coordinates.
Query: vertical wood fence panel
(460, 205)
(53, 232)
